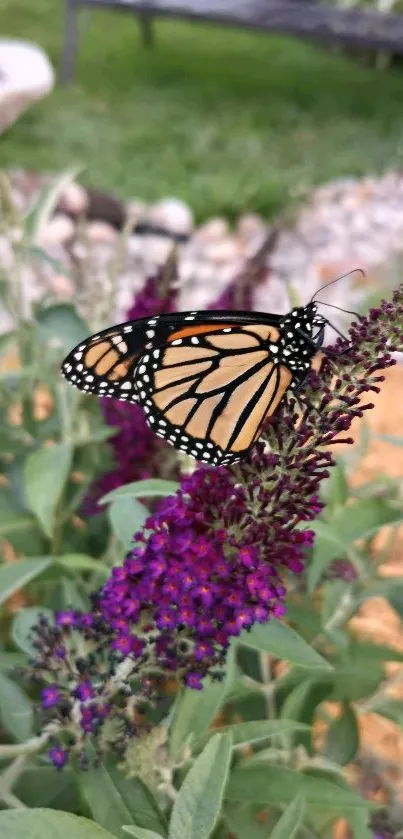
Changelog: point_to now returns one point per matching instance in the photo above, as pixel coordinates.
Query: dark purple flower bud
(248, 556)
(138, 646)
(87, 719)
(123, 644)
(85, 691)
(50, 696)
(166, 619)
(58, 756)
(68, 618)
(194, 681)
(203, 650)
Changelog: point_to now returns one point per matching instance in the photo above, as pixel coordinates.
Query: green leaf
(360, 650)
(244, 821)
(333, 592)
(15, 524)
(197, 808)
(290, 822)
(81, 562)
(6, 338)
(41, 786)
(395, 596)
(46, 472)
(150, 488)
(358, 821)
(251, 732)
(334, 490)
(281, 641)
(72, 595)
(115, 800)
(16, 575)
(307, 620)
(127, 516)
(356, 521)
(277, 786)
(41, 211)
(9, 661)
(61, 323)
(15, 710)
(139, 832)
(48, 824)
(353, 680)
(196, 709)
(23, 624)
(15, 521)
(392, 709)
(342, 740)
(301, 704)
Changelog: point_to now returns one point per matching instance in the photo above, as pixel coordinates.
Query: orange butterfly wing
(208, 390)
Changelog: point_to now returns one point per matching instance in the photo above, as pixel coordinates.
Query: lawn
(224, 119)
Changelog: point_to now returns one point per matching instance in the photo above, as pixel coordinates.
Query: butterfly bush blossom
(211, 562)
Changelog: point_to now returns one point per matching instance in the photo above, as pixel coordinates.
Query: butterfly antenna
(354, 271)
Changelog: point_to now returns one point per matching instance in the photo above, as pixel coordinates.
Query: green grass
(226, 120)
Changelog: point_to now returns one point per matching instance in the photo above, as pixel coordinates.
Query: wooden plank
(312, 20)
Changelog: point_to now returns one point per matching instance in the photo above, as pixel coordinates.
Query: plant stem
(29, 747)
(265, 672)
(341, 614)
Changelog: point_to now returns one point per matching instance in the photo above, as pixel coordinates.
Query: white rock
(226, 250)
(136, 209)
(25, 76)
(100, 232)
(79, 250)
(61, 286)
(213, 230)
(172, 214)
(74, 199)
(135, 245)
(156, 249)
(249, 226)
(59, 230)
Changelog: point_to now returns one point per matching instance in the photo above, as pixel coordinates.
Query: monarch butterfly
(205, 380)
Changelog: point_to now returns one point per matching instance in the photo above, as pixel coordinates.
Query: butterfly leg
(325, 350)
(304, 404)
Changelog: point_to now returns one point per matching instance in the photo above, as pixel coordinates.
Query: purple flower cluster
(208, 570)
(85, 691)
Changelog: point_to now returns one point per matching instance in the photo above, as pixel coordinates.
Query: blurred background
(270, 157)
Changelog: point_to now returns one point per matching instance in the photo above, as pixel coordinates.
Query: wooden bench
(354, 28)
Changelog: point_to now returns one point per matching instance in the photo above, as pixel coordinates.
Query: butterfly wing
(209, 387)
(105, 364)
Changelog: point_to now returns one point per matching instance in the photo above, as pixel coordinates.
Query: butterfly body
(205, 380)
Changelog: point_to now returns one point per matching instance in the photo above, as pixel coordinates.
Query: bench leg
(145, 21)
(70, 42)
